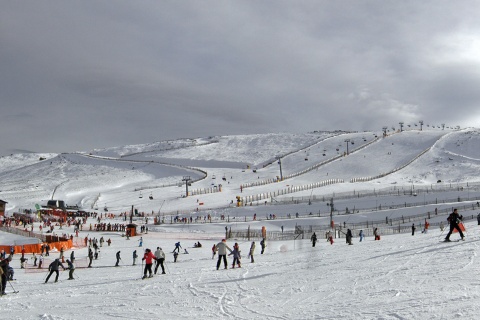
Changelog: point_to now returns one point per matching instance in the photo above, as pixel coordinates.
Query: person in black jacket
(118, 259)
(4, 264)
(313, 238)
(53, 267)
(454, 219)
(71, 267)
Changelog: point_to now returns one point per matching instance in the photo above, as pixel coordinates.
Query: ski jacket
(54, 266)
(148, 257)
(236, 253)
(159, 254)
(70, 265)
(222, 248)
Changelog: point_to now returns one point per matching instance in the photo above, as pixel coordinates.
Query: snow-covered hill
(124, 176)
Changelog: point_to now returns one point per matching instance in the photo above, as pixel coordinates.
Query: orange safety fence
(36, 248)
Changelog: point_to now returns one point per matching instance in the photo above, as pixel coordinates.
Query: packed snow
(425, 174)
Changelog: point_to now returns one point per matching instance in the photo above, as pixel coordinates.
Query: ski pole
(15, 291)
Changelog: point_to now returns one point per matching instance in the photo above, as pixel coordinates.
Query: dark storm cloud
(90, 74)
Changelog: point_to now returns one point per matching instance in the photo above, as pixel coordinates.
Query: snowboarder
(53, 267)
(159, 258)
(454, 219)
(236, 255)
(313, 238)
(263, 245)
(251, 252)
(135, 256)
(148, 257)
(222, 253)
(70, 267)
(118, 258)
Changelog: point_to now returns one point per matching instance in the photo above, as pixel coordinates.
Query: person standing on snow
(413, 229)
(222, 253)
(214, 251)
(236, 255)
(90, 257)
(148, 257)
(159, 258)
(251, 252)
(361, 235)
(427, 224)
(71, 267)
(135, 256)
(454, 219)
(263, 245)
(118, 258)
(313, 238)
(53, 267)
(349, 236)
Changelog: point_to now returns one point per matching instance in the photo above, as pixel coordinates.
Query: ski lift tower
(331, 212)
(279, 158)
(347, 141)
(187, 182)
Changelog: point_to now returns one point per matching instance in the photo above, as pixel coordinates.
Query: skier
(349, 236)
(263, 245)
(159, 258)
(214, 251)
(90, 257)
(148, 257)
(252, 250)
(4, 264)
(236, 255)
(442, 226)
(222, 253)
(177, 247)
(40, 261)
(53, 267)
(140, 243)
(175, 256)
(425, 229)
(413, 229)
(71, 267)
(375, 233)
(34, 258)
(135, 256)
(361, 235)
(72, 256)
(454, 219)
(118, 258)
(313, 238)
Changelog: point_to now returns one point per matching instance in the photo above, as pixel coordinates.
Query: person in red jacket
(148, 257)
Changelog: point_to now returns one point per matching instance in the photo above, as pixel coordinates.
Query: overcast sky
(78, 75)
